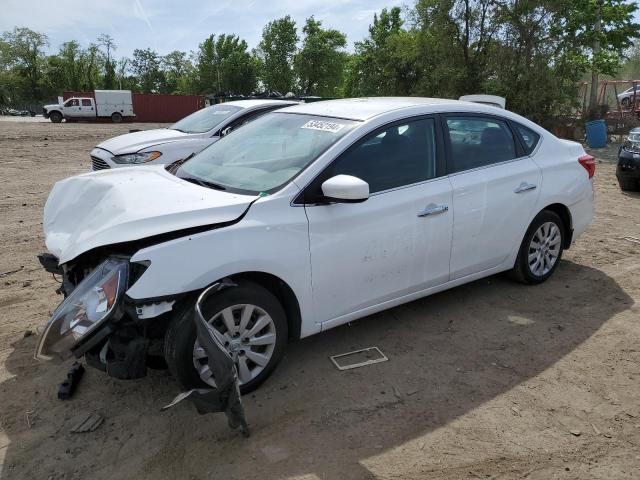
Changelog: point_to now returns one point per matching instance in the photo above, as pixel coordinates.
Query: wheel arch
(283, 292)
(565, 215)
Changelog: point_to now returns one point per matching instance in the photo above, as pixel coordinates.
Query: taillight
(589, 163)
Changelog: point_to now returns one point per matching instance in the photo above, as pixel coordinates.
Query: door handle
(433, 209)
(525, 187)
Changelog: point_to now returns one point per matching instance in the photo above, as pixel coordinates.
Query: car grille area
(98, 164)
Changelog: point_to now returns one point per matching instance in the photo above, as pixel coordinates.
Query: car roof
(365, 108)
(258, 102)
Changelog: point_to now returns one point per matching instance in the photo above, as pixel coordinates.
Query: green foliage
(577, 34)
(319, 65)
(386, 62)
(276, 52)
(533, 52)
(225, 65)
(23, 47)
(145, 65)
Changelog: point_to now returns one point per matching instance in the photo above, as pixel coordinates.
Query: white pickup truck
(113, 104)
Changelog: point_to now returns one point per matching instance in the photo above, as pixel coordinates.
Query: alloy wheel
(544, 249)
(249, 335)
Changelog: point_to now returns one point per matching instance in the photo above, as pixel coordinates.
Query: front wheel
(55, 117)
(254, 326)
(541, 249)
(628, 185)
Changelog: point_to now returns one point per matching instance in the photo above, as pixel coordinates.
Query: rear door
(87, 109)
(495, 191)
(395, 243)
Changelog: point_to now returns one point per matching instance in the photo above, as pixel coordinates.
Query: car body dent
(279, 247)
(109, 207)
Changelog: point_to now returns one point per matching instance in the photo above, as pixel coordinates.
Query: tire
(625, 102)
(628, 185)
(55, 117)
(531, 273)
(180, 338)
(116, 117)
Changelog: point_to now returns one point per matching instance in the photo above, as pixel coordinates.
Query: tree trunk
(593, 99)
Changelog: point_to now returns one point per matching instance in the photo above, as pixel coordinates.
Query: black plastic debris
(88, 423)
(66, 389)
(226, 396)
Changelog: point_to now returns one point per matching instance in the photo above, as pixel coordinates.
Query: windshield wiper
(203, 183)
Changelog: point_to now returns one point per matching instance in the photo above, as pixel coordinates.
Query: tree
(594, 35)
(385, 62)
(225, 65)
(319, 65)
(109, 45)
(175, 65)
(25, 49)
(145, 65)
(276, 51)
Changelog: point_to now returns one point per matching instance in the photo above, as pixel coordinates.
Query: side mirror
(345, 189)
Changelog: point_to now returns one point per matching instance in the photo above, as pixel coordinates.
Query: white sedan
(307, 218)
(186, 137)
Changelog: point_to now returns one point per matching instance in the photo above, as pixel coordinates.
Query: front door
(395, 243)
(495, 191)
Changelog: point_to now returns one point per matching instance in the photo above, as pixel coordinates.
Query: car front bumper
(628, 165)
(118, 345)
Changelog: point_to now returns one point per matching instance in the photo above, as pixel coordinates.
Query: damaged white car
(306, 218)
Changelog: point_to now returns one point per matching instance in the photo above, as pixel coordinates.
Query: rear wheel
(254, 326)
(55, 117)
(541, 249)
(116, 117)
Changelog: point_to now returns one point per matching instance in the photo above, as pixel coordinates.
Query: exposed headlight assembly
(632, 143)
(93, 301)
(135, 158)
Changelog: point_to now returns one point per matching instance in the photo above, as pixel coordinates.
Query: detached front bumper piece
(79, 323)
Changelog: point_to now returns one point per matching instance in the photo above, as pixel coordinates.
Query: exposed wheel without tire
(541, 248)
(55, 117)
(116, 117)
(254, 325)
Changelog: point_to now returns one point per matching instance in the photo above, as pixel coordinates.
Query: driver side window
(398, 155)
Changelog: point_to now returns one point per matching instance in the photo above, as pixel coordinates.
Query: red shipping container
(156, 107)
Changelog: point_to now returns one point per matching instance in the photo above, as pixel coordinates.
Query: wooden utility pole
(593, 99)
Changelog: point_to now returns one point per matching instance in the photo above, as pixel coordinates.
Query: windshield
(206, 119)
(265, 154)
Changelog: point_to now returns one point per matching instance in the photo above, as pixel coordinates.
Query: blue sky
(167, 25)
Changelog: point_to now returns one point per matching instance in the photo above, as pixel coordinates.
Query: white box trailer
(113, 104)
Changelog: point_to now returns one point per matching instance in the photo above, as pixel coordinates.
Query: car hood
(121, 205)
(136, 141)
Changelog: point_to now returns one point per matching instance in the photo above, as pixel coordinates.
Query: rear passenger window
(529, 138)
(396, 156)
(478, 142)
(86, 102)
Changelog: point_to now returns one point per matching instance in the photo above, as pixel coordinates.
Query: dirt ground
(489, 380)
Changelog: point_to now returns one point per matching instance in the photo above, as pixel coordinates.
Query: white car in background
(626, 98)
(184, 138)
(307, 218)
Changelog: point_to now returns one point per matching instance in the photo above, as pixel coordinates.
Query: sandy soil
(489, 380)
